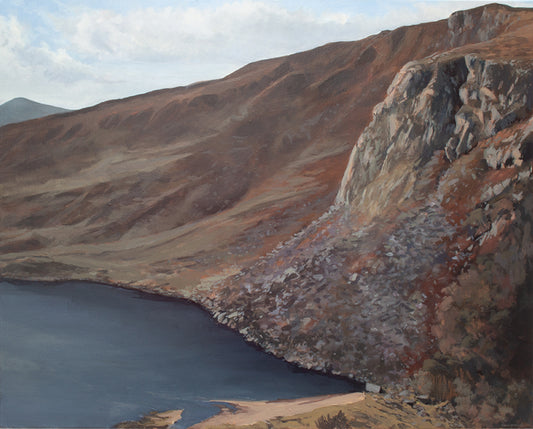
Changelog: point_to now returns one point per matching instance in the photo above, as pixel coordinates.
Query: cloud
(235, 31)
(84, 55)
(26, 66)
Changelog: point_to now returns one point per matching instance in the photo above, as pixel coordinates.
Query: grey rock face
(478, 24)
(494, 96)
(448, 103)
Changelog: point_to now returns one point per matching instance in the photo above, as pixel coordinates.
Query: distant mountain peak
(21, 109)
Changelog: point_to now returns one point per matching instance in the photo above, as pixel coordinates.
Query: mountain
(21, 109)
(363, 208)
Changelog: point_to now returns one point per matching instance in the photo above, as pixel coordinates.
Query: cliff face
(419, 267)
(423, 267)
(447, 104)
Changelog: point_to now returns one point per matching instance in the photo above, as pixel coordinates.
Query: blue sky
(74, 53)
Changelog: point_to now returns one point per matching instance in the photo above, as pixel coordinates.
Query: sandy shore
(250, 412)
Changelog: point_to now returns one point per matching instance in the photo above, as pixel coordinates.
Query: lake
(80, 354)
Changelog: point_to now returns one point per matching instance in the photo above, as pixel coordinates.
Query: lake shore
(186, 358)
(358, 410)
(395, 407)
(250, 412)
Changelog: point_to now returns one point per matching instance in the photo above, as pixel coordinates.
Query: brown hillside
(179, 186)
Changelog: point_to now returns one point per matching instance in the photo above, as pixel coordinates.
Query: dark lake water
(86, 355)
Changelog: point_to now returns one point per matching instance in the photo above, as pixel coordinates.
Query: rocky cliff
(423, 267)
(412, 265)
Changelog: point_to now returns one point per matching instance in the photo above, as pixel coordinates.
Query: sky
(77, 53)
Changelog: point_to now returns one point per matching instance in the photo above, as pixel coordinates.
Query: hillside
(22, 109)
(174, 187)
(362, 208)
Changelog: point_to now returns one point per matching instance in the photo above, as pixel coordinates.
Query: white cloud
(90, 55)
(239, 31)
(236, 32)
(27, 69)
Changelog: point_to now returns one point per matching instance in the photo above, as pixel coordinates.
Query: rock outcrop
(444, 103)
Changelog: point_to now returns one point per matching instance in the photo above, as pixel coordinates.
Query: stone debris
(372, 388)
